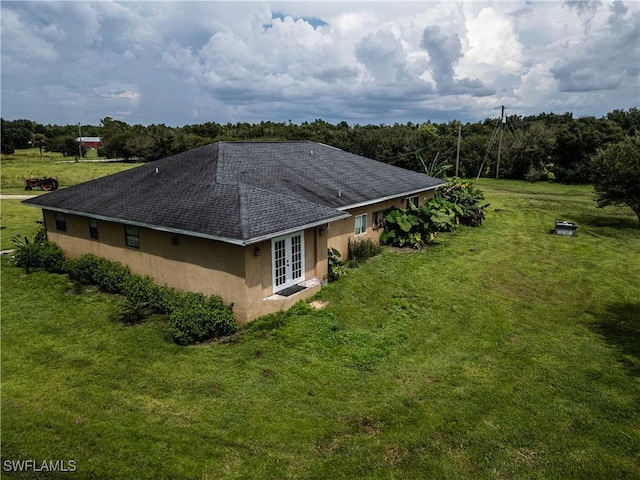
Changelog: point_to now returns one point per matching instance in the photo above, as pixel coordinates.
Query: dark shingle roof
(240, 192)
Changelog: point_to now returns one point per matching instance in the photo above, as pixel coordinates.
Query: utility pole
(79, 140)
(458, 150)
(503, 120)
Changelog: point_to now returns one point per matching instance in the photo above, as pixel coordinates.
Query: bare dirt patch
(318, 304)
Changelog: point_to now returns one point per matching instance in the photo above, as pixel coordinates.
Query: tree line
(538, 147)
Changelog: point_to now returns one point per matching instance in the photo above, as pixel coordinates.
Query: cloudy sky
(180, 63)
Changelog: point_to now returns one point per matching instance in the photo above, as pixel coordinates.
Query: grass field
(15, 168)
(16, 218)
(503, 352)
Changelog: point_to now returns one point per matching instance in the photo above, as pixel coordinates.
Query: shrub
(193, 316)
(140, 289)
(457, 203)
(468, 198)
(111, 277)
(360, 250)
(37, 252)
(337, 267)
(197, 318)
(82, 269)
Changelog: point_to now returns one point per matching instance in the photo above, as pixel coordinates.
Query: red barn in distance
(89, 142)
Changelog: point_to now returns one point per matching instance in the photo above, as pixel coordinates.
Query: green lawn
(503, 352)
(15, 168)
(16, 219)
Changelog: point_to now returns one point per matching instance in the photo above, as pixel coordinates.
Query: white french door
(288, 260)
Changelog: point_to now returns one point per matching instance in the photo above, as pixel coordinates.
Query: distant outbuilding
(89, 142)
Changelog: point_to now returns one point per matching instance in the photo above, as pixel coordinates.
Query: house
(249, 221)
(90, 142)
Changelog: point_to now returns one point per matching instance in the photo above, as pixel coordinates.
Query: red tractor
(46, 184)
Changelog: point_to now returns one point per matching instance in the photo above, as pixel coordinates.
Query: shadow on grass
(604, 222)
(619, 324)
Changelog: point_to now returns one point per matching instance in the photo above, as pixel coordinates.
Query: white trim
(288, 250)
(390, 197)
(355, 230)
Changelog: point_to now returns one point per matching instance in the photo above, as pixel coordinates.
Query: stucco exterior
(343, 231)
(242, 275)
(233, 272)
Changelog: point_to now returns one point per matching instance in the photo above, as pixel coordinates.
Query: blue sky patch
(315, 22)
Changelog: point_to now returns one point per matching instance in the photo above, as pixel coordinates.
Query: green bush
(193, 316)
(337, 267)
(140, 289)
(197, 318)
(37, 252)
(111, 277)
(360, 250)
(82, 269)
(468, 198)
(456, 203)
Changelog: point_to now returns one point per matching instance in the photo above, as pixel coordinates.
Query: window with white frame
(361, 224)
(415, 201)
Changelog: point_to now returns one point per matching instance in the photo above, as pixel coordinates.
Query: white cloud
(493, 46)
(177, 62)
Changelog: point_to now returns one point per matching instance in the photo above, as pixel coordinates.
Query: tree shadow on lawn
(606, 224)
(619, 324)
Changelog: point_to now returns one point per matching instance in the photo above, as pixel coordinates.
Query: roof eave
(296, 229)
(390, 197)
(160, 228)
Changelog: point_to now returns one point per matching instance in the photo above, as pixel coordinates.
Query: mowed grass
(16, 219)
(502, 352)
(23, 164)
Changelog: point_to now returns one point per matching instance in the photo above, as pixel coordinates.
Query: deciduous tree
(616, 174)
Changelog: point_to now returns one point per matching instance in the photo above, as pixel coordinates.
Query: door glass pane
(279, 262)
(296, 257)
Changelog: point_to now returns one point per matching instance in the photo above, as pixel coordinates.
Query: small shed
(90, 142)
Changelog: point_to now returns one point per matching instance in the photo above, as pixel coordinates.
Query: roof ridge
(220, 154)
(244, 216)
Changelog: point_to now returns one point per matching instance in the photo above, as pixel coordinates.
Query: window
(361, 224)
(61, 222)
(415, 201)
(131, 237)
(93, 228)
(378, 220)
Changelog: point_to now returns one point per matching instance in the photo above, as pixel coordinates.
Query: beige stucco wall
(260, 299)
(343, 231)
(192, 264)
(233, 272)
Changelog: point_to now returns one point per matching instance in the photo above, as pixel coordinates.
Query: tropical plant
(37, 252)
(337, 267)
(456, 203)
(468, 198)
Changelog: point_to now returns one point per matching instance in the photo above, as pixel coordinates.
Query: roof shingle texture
(239, 191)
